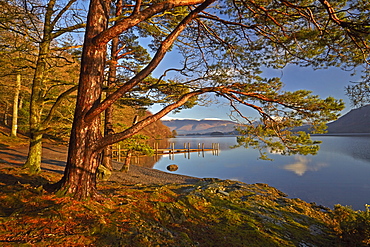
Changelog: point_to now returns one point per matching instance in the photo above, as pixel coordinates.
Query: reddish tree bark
(80, 173)
(86, 141)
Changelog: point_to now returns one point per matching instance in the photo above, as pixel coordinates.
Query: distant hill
(355, 121)
(204, 126)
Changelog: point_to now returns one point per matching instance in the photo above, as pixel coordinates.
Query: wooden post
(119, 152)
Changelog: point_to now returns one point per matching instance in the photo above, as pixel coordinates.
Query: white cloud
(303, 165)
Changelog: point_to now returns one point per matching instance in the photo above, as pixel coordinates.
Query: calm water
(338, 174)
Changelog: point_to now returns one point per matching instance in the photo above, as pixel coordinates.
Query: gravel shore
(144, 175)
(54, 160)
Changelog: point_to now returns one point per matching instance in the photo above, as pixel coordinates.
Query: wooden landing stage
(172, 150)
(120, 154)
(180, 150)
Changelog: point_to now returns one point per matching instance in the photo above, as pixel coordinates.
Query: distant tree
(225, 44)
(54, 71)
(16, 60)
(174, 133)
(134, 145)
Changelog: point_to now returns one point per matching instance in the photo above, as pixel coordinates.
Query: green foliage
(225, 47)
(354, 226)
(174, 133)
(160, 25)
(137, 144)
(281, 114)
(132, 56)
(20, 48)
(170, 91)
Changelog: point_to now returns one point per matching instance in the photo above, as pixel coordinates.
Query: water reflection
(337, 174)
(355, 146)
(302, 165)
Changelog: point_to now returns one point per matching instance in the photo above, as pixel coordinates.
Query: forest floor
(13, 152)
(146, 207)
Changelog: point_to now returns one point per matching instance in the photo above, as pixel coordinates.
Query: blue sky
(323, 82)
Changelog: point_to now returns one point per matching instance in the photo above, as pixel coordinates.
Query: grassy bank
(209, 213)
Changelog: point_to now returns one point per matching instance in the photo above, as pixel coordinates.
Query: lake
(338, 174)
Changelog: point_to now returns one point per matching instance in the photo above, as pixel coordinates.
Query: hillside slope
(355, 121)
(193, 126)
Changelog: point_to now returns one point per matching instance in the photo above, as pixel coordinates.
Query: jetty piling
(118, 152)
(186, 148)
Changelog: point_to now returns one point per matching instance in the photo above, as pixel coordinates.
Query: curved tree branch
(126, 23)
(57, 103)
(114, 138)
(162, 50)
(61, 13)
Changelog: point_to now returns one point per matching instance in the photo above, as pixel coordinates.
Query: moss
(175, 215)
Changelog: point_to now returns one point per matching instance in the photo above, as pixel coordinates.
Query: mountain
(204, 126)
(355, 121)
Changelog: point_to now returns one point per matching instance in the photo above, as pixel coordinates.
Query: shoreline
(145, 175)
(54, 159)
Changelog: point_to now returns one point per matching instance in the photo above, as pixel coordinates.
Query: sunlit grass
(210, 213)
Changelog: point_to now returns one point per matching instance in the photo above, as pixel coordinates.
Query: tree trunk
(106, 168)
(108, 116)
(83, 159)
(126, 165)
(5, 119)
(108, 129)
(15, 107)
(86, 141)
(33, 163)
(20, 106)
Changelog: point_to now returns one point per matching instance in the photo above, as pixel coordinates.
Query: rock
(223, 192)
(172, 167)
